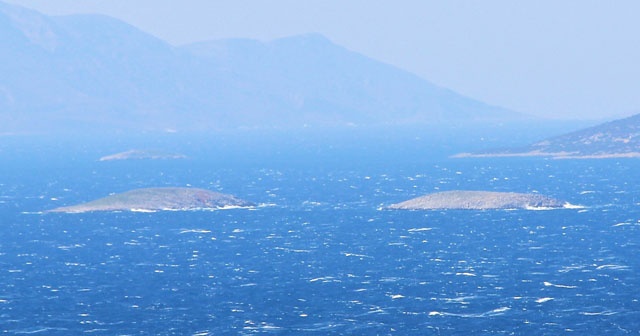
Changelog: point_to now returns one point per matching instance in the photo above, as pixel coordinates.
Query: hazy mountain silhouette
(95, 72)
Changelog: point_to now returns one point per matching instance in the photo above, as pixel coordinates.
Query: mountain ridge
(96, 72)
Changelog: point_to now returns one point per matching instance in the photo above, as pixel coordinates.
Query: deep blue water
(319, 256)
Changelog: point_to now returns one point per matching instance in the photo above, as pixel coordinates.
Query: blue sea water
(320, 255)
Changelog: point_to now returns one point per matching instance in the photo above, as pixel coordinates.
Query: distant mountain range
(95, 72)
(618, 138)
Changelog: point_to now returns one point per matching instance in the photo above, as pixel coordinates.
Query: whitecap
(623, 224)
(286, 249)
(349, 254)
(460, 299)
(324, 279)
(549, 284)
(535, 208)
(500, 310)
(194, 231)
(68, 247)
(566, 269)
(390, 279)
(262, 326)
(544, 299)
(612, 267)
(321, 326)
(493, 312)
(141, 210)
(568, 205)
(378, 310)
(604, 313)
(202, 333)
(37, 330)
(420, 229)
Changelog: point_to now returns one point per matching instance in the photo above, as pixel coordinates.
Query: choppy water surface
(321, 256)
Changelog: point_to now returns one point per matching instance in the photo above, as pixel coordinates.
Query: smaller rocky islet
(154, 199)
(479, 200)
(138, 154)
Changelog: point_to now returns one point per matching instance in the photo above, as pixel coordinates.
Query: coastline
(552, 155)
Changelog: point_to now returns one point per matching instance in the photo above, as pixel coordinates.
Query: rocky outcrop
(479, 200)
(154, 199)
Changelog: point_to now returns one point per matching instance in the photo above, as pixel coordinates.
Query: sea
(320, 254)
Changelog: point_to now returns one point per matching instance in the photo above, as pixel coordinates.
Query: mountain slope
(93, 72)
(618, 138)
(311, 75)
(78, 70)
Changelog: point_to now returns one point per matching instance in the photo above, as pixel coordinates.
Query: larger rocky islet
(155, 199)
(479, 200)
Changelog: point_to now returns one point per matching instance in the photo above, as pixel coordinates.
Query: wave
(566, 205)
(491, 313)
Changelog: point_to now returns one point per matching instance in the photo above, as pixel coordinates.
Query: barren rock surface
(153, 199)
(478, 200)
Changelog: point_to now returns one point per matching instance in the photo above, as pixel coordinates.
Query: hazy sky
(558, 58)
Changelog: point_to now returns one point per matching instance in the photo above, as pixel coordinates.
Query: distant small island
(137, 154)
(155, 199)
(480, 200)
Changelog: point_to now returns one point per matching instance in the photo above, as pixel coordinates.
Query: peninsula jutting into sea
(615, 139)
